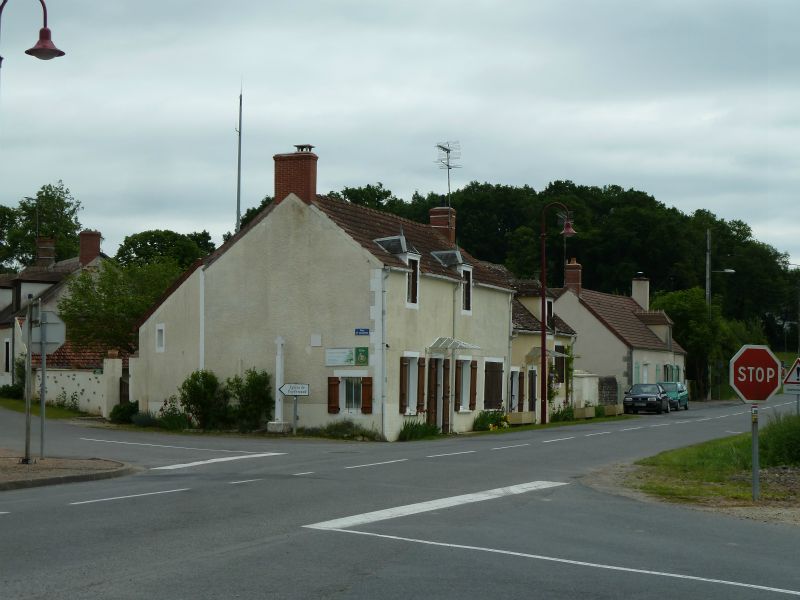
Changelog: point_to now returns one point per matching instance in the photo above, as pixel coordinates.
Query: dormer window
(412, 281)
(549, 313)
(466, 289)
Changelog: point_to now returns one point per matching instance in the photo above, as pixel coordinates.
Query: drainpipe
(384, 376)
(279, 379)
(202, 325)
(510, 349)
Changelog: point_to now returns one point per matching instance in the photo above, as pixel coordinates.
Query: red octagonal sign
(755, 373)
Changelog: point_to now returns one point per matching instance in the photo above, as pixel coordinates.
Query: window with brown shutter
(413, 281)
(403, 385)
(473, 384)
(420, 385)
(561, 364)
(492, 385)
(521, 388)
(366, 395)
(333, 395)
(459, 375)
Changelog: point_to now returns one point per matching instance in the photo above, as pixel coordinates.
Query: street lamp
(44, 49)
(708, 295)
(568, 231)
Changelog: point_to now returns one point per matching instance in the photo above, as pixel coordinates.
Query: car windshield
(644, 388)
(669, 386)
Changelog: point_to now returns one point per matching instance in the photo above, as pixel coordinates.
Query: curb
(121, 471)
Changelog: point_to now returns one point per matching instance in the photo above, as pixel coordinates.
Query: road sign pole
(43, 373)
(294, 417)
(754, 419)
(28, 385)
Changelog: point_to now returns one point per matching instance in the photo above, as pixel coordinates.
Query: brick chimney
(45, 252)
(443, 220)
(296, 173)
(572, 276)
(90, 246)
(640, 291)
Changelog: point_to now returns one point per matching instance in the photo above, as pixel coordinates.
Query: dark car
(646, 396)
(678, 394)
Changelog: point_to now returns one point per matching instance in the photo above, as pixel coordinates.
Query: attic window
(448, 258)
(466, 290)
(160, 339)
(393, 245)
(412, 282)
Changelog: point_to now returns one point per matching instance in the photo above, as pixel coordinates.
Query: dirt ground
(623, 480)
(14, 474)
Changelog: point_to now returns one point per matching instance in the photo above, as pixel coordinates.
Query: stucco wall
(96, 392)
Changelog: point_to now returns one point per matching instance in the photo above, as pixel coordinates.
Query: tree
(157, 245)
(53, 213)
(103, 306)
(203, 241)
(251, 212)
(371, 196)
(7, 220)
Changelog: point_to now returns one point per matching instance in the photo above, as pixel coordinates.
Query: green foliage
(779, 442)
(489, 420)
(162, 245)
(417, 430)
(345, 429)
(14, 391)
(599, 411)
(371, 196)
(203, 241)
(171, 417)
(563, 414)
(252, 395)
(144, 419)
(124, 413)
(204, 400)
(72, 403)
(103, 307)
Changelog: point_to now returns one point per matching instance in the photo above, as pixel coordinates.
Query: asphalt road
(499, 516)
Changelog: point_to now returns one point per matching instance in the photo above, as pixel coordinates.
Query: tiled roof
(621, 314)
(532, 288)
(524, 320)
(70, 356)
(654, 317)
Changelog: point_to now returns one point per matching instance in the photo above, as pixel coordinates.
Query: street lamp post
(708, 293)
(44, 49)
(568, 231)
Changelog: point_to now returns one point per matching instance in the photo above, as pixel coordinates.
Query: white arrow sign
(294, 389)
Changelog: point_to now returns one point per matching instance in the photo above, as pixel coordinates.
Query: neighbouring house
(386, 319)
(619, 336)
(75, 372)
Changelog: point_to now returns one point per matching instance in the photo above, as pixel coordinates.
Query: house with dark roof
(386, 319)
(620, 336)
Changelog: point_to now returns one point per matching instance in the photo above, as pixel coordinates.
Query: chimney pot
(640, 291)
(89, 246)
(443, 220)
(572, 276)
(296, 173)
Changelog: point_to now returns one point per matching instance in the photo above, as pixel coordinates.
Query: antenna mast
(448, 151)
(239, 169)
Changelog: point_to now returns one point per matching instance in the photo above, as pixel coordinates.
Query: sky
(696, 102)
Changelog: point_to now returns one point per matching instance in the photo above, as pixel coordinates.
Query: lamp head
(45, 49)
(568, 231)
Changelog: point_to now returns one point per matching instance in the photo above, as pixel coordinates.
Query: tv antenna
(448, 151)
(239, 167)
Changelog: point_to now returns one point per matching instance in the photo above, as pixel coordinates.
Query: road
(497, 516)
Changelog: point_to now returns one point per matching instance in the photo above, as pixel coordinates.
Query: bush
(563, 414)
(253, 397)
(170, 416)
(779, 442)
(600, 410)
(417, 430)
(144, 419)
(14, 391)
(488, 420)
(204, 400)
(123, 413)
(71, 403)
(344, 430)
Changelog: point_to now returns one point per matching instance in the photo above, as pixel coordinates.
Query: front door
(433, 386)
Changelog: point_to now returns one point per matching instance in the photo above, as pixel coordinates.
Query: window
(160, 339)
(352, 394)
(412, 292)
(409, 387)
(493, 385)
(7, 355)
(561, 364)
(463, 384)
(533, 389)
(549, 304)
(466, 290)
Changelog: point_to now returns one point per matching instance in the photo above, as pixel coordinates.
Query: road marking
(4, 513)
(659, 425)
(706, 419)
(306, 473)
(214, 460)
(125, 497)
(244, 481)
(388, 462)
(558, 440)
(451, 454)
(165, 446)
(514, 446)
(735, 432)
(420, 507)
(632, 428)
(578, 563)
(681, 422)
(600, 433)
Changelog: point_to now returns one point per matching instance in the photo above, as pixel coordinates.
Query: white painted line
(388, 462)
(4, 513)
(578, 563)
(558, 440)
(706, 419)
(125, 497)
(735, 432)
(244, 481)
(514, 446)
(659, 425)
(420, 507)
(632, 428)
(600, 433)
(164, 446)
(451, 454)
(306, 473)
(214, 460)
(681, 422)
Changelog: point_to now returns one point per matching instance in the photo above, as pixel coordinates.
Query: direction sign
(294, 389)
(55, 333)
(791, 383)
(755, 373)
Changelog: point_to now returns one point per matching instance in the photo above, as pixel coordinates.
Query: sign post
(755, 376)
(791, 383)
(294, 390)
(48, 335)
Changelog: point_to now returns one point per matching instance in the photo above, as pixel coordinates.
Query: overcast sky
(696, 102)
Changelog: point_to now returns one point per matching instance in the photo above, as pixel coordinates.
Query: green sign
(362, 356)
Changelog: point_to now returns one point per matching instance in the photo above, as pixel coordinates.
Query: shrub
(253, 397)
(488, 420)
(563, 414)
(144, 419)
(600, 410)
(14, 391)
(170, 416)
(779, 442)
(123, 413)
(417, 430)
(204, 400)
(344, 430)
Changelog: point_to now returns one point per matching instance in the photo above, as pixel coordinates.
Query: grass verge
(51, 412)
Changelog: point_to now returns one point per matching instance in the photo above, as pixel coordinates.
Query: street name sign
(294, 389)
(755, 373)
(791, 383)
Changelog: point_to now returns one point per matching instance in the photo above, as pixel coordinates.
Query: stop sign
(755, 373)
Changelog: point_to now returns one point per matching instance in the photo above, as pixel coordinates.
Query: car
(645, 396)
(678, 394)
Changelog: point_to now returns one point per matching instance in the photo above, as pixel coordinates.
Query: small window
(549, 321)
(7, 355)
(560, 364)
(412, 293)
(160, 338)
(466, 286)
(463, 373)
(351, 388)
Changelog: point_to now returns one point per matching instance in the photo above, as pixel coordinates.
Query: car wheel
(687, 406)
(669, 408)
